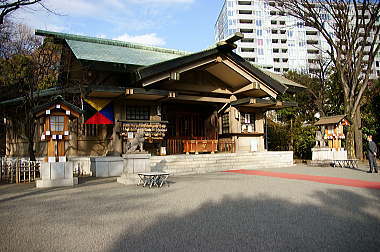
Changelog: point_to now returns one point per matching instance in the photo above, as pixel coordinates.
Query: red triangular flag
(98, 118)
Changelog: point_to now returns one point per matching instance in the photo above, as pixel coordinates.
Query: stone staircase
(203, 163)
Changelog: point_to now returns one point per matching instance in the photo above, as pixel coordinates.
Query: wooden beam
(251, 78)
(129, 91)
(174, 76)
(158, 78)
(248, 87)
(178, 71)
(238, 70)
(136, 91)
(268, 90)
(187, 86)
(202, 99)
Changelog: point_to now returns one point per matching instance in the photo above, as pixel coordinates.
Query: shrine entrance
(190, 122)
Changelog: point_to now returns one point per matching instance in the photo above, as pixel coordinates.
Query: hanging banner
(98, 111)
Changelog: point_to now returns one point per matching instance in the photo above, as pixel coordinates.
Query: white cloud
(110, 17)
(145, 39)
(162, 1)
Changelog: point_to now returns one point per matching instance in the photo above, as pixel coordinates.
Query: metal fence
(18, 170)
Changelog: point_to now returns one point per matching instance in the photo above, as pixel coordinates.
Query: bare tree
(24, 74)
(17, 39)
(9, 6)
(351, 29)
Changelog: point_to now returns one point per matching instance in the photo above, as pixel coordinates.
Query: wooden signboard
(153, 130)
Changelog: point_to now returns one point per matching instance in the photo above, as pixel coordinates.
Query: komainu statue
(136, 142)
(319, 141)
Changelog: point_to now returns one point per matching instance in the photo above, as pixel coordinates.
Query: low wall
(104, 167)
(202, 163)
(56, 175)
(81, 165)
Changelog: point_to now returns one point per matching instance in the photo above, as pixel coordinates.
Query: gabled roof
(330, 120)
(113, 51)
(149, 71)
(155, 60)
(293, 86)
(58, 100)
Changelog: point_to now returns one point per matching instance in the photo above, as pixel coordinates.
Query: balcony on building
(247, 49)
(246, 30)
(245, 12)
(252, 60)
(244, 3)
(247, 40)
(313, 51)
(245, 21)
(312, 42)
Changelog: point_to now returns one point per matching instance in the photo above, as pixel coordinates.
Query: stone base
(56, 174)
(135, 163)
(131, 179)
(106, 166)
(56, 183)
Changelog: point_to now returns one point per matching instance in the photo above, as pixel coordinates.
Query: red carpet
(319, 179)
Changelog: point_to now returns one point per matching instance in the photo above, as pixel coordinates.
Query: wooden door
(56, 149)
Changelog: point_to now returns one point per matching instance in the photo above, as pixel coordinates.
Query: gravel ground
(210, 212)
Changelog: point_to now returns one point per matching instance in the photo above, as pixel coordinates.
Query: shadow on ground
(340, 221)
(19, 191)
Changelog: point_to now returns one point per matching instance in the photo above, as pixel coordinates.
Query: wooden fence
(176, 146)
(226, 145)
(19, 171)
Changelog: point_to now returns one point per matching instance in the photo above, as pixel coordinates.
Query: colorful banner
(98, 111)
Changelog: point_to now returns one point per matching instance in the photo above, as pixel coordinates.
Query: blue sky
(178, 24)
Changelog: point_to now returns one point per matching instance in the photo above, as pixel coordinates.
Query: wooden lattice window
(138, 113)
(226, 123)
(57, 123)
(90, 130)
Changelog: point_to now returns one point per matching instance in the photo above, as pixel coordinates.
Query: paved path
(210, 212)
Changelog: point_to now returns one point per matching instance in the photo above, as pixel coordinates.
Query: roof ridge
(108, 42)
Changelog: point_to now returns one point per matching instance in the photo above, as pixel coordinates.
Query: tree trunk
(354, 140)
(291, 136)
(358, 136)
(32, 155)
(350, 142)
(30, 126)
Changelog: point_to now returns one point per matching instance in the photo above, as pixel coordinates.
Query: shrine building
(212, 101)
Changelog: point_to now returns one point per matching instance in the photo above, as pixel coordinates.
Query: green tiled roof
(113, 51)
(280, 78)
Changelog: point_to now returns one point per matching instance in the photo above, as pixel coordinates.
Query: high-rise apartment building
(272, 39)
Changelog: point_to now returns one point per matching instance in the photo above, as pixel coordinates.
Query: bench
(153, 179)
(345, 163)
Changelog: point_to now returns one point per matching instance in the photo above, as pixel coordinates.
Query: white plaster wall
(244, 143)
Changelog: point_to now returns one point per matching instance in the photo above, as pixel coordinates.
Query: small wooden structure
(332, 130)
(56, 115)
